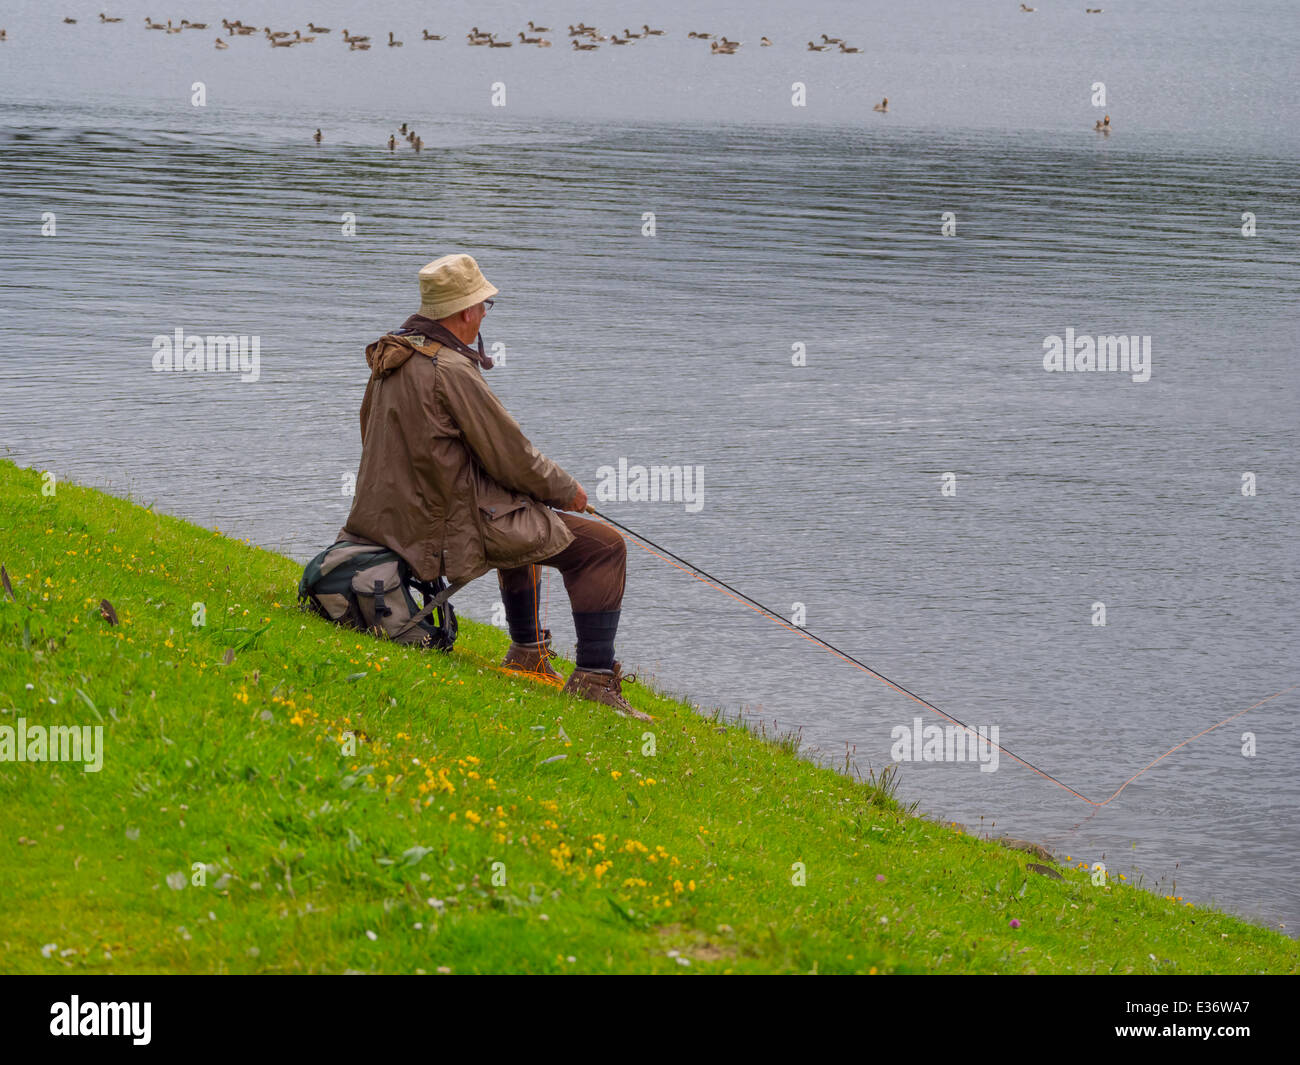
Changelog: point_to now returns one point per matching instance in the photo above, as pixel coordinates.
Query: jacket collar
(426, 327)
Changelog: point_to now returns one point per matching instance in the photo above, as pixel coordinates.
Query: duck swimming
(882, 106)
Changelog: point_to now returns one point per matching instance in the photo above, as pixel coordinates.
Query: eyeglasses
(487, 305)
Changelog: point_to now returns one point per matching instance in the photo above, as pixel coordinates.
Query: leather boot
(530, 660)
(606, 688)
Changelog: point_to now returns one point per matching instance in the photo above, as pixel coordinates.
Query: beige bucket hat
(451, 284)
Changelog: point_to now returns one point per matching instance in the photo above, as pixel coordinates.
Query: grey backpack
(369, 588)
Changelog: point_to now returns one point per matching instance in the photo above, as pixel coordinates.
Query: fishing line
(716, 582)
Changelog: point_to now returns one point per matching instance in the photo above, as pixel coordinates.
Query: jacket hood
(388, 353)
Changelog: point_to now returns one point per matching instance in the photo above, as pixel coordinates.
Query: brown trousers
(594, 568)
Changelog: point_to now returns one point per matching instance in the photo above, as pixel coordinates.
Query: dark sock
(596, 639)
(521, 615)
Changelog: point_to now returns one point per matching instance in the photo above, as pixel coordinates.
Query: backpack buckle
(382, 609)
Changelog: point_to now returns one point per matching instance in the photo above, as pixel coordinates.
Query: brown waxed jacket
(447, 479)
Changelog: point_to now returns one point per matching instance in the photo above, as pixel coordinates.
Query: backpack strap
(429, 607)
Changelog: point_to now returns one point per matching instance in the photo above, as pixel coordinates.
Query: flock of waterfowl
(583, 38)
(408, 134)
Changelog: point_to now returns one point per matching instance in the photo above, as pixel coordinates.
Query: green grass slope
(482, 823)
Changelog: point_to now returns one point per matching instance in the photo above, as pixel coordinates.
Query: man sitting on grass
(449, 481)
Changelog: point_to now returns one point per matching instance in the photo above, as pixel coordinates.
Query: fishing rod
(769, 611)
(707, 578)
(788, 623)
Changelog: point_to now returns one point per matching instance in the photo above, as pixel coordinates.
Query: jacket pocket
(512, 530)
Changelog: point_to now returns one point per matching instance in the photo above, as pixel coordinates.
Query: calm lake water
(775, 227)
